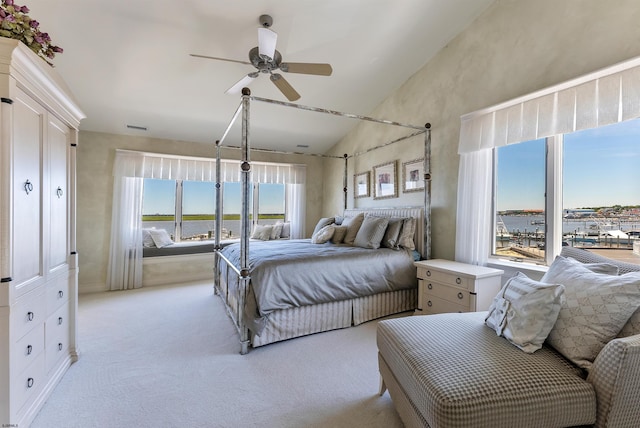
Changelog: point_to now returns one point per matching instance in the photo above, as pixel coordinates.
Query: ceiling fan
(266, 59)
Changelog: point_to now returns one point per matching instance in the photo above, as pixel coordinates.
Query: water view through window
(600, 184)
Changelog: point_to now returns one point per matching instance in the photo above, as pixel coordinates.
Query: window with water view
(599, 180)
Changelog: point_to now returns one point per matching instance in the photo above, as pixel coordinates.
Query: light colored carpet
(169, 357)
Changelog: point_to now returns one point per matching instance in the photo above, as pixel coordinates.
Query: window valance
(601, 98)
(171, 167)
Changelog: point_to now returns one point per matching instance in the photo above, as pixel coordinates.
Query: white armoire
(39, 122)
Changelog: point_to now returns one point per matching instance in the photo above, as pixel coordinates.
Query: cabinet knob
(460, 295)
(59, 192)
(429, 303)
(59, 320)
(59, 346)
(430, 286)
(29, 349)
(30, 382)
(458, 280)
(60, 294)
(428, 273)
(30, 316)
(28, 186)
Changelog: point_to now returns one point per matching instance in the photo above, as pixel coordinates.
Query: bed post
(218, 224)
(427, 192)
(344, 181)
(245, 167)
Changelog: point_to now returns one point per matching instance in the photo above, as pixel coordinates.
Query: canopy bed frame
(232, 282)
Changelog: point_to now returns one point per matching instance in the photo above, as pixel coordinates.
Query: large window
(186, 209)
(595, 177)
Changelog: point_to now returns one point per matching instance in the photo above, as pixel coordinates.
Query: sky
(199, 197)
(601, 167)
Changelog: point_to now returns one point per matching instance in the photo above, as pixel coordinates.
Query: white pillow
(262, 232)
(524, 311)
(286, 230)
(147, 240)
(323, 235)
(595, 309)
(160, 237)
(324, 221)
(276, 231)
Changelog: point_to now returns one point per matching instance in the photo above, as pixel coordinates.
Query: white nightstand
(448, 286)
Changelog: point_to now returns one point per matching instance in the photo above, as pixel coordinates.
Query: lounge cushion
(446, 364)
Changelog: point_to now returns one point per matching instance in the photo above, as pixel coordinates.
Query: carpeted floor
(169, 357)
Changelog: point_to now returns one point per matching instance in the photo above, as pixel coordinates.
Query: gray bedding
(293, 273)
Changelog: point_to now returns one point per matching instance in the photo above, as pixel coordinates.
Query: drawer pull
(60, 294)
(30, 316)
(59, 192)
(30, 382)
(59, 346)
(458, 281)
(430, 286)
(29, 349)
(460, 296)
(59, 320)
(428, 273)
(429, 303)
(28, 186)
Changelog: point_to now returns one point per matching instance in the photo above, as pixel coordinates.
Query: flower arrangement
(16, 24)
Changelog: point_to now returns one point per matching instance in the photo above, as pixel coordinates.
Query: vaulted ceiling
(128, 62)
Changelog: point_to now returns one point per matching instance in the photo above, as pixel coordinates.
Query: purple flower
(57, 49)
(23, 9)
(34, 23)
(8, 2)
(10, 18)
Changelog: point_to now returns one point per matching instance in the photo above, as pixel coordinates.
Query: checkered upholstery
(458, 373)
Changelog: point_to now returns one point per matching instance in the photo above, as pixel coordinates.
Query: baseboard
(94, 287)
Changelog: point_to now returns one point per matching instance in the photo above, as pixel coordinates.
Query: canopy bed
(286, 289)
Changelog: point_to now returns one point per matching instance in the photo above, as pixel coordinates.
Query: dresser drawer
(446, 292)
(57, 293)
(28, 312)
(429, 274)
(57, 336)
(29, 382)
(28, 348)
(436, 305)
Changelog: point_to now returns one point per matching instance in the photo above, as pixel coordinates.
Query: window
(594, 175)
(186, 209)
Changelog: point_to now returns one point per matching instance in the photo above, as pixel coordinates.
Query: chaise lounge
(452, 370)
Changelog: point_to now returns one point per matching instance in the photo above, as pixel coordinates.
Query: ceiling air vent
(139, 128)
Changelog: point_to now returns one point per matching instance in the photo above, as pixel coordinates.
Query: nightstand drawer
(436, 305)
(446, 292)
(429, 274)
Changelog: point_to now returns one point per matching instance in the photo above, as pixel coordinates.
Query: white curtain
(125, 255)
(601, 98)
(296, 203)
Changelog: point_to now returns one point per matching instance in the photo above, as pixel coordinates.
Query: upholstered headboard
(415, 212)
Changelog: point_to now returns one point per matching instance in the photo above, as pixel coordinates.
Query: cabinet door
(58, 141)
(28, 119)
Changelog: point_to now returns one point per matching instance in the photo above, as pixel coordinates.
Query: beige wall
(96, 153)
(515, 47)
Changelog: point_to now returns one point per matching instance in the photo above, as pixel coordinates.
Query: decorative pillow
(147, 240)
(595, 309)
(606, 268)
(262, 232)
(276, 231)
(286, 230)
(160, 237)
(405, 240)
(371, 232)
(391, 235)
(338, 219)
(323, 235)
(353, 225)
(325, 221)
(339, 234)
(632, 327)
(524, 311)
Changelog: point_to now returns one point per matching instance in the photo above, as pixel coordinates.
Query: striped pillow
(525, 311)
(371, 232)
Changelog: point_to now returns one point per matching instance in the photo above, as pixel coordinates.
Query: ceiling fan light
(267, 42)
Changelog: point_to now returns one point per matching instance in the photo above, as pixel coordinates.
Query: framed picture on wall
(361, 185)
(385, 184)
(413, 176)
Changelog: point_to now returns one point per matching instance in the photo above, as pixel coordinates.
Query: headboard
(415, 212)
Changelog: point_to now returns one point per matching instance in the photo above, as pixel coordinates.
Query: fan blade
(307, 68)
(267, 42)
(220, 59)
(284, 87)
(246, 80)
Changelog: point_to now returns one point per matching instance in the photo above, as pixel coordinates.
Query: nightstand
(448, 286)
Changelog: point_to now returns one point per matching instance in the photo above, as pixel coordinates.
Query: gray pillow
(339, 234)
(353, 225)
(325, 221)
(391, 235)
(405, 240)
(371, 232)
